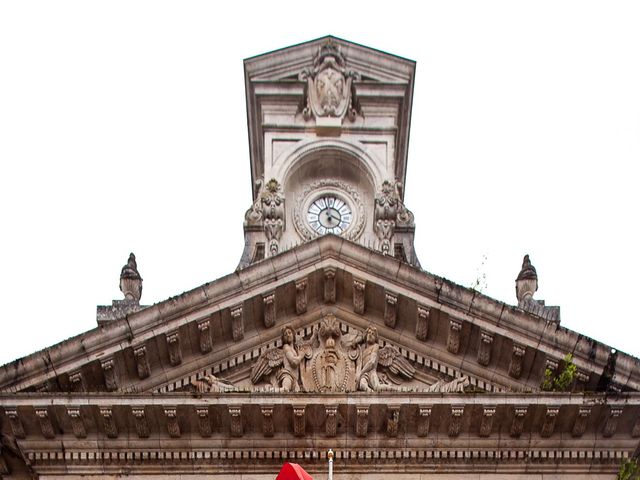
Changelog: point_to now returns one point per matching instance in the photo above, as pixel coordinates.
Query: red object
(293, 471)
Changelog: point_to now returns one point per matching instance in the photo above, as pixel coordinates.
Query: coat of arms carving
(330, 361)
(329, 93)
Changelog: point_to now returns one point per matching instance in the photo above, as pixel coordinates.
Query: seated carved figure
(373, 357)
(281, 365)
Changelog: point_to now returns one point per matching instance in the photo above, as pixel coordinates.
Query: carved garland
(339, 188)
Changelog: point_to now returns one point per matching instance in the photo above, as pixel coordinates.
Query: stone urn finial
(130, 280)
(527, 281)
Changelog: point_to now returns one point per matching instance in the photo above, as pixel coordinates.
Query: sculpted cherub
(282, 365)
(372, 357)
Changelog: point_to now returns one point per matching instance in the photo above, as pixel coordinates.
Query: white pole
(330, 457)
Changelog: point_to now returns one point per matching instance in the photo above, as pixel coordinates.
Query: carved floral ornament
(329, 93)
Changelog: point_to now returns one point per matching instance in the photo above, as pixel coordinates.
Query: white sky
(123, 128)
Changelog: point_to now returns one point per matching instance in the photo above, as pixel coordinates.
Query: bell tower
(328, 133)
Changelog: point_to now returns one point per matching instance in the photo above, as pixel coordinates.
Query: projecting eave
(223, 323)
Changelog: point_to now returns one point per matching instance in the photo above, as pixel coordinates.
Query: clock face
(329, 214)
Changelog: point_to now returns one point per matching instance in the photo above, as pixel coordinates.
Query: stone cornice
(275, 397)
(199, 304)
(244, 431)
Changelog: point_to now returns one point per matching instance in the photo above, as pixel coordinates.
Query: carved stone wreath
(329, 186)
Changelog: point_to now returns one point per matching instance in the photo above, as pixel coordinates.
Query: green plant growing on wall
(480, 283)
(562, 381)
(629, 470)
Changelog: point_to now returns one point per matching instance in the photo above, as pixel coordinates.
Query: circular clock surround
(329, 214)
(329, 206)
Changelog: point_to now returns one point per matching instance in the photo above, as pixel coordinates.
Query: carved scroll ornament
(389, 213)
(268, 211)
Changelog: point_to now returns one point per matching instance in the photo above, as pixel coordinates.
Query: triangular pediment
(372, 65)
(445, 331)
(404, 368)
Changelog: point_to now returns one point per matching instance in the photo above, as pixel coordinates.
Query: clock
(329, 214)
(329, 206)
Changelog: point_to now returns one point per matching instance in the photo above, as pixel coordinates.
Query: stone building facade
(329, 335)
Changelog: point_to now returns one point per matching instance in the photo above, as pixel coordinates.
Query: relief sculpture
(330, 92)
(281, 366)
(330, 361)
(388, 358)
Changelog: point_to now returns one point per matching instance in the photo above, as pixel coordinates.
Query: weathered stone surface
(403, 373)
